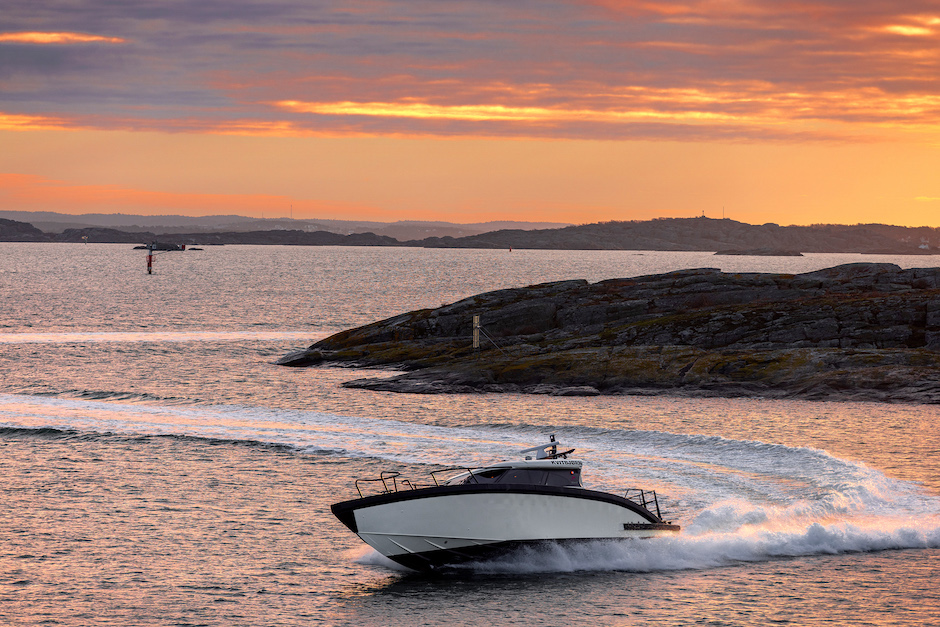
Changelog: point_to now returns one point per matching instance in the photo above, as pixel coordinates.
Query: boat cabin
(560, 473)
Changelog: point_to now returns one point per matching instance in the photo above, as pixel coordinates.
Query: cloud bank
(592, 69)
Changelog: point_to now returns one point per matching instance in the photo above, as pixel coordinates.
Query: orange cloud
(58, 38)
(712, 9)
(826, 22)
(750, 105)
(247, 127)
(752, 109)
(9, 122)
(908, 31)
(488, 113)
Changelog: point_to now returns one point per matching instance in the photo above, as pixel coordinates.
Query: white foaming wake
(736, 500)
(309, 431)
(367, 556)
(709, 550)
(155, 336)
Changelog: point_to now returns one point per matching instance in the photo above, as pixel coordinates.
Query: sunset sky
(794, 111)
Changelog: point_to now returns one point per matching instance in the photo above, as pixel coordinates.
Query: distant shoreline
(672, 234)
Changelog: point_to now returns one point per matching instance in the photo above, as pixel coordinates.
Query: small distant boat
(160, 246)
(481, 513)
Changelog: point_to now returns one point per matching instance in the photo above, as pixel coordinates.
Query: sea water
(159, 469)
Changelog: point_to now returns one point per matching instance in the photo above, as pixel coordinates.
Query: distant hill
(52, 222)
(13, 231)
(692, 234)
(706, 234)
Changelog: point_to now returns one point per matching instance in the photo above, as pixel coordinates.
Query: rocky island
(864, 331)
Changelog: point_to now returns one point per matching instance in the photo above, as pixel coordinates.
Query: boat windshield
(560, 477)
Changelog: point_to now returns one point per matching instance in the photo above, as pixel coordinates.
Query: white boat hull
(427, 528)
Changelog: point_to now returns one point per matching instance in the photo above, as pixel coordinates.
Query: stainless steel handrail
(643, 498)
(384, 477)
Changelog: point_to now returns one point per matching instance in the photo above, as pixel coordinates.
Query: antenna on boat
(547, 451)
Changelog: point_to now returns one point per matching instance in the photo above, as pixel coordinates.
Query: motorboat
(481, 513)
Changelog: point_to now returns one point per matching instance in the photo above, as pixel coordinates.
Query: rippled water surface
(160, 470)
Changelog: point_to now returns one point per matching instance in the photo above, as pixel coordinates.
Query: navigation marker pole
(477, 330)
(154, 247)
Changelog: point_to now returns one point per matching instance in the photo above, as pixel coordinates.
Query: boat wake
(157, 337)
(711, 550)
(773, 537)
(736, 500)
